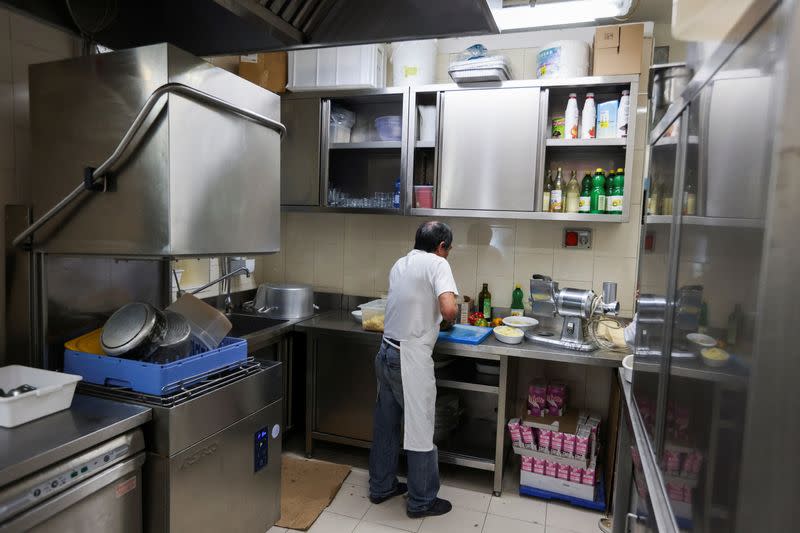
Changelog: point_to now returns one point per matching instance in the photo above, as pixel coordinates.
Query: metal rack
(210, 381)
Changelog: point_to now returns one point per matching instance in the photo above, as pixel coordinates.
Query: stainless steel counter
(90, 421)
(342, 323)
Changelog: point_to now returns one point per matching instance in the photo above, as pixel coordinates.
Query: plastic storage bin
(54, 391)
(389, 128)
(373, 314)
(342, 121)
(151, 378)
(342, 67)
(209, 325)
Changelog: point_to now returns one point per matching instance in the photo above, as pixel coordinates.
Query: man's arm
(448, 307)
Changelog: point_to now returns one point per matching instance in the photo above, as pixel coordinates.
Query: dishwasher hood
(196, 178)
(223, 27)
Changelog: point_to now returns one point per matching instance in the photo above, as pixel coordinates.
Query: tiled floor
(475, 510)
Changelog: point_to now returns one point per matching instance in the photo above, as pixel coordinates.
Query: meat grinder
(570, 308)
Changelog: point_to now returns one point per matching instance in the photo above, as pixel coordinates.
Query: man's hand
(448, 307)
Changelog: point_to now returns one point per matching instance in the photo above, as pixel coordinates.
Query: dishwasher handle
(51, 507)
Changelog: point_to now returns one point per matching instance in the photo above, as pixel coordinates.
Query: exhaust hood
(222, 27)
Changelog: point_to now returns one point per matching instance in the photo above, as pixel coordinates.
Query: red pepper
(475, 316)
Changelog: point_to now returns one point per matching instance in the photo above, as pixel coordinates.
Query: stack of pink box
(547, 399)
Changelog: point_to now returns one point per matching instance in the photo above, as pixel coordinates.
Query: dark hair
(430, 234)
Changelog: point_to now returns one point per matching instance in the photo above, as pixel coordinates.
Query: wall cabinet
(465, 151)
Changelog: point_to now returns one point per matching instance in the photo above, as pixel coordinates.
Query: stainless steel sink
(247, 324)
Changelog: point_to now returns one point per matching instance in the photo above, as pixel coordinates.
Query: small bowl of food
(508, 335)
(523, 323)
(700, 341)
(715, 357)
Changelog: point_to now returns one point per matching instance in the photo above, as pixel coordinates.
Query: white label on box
(251, 58)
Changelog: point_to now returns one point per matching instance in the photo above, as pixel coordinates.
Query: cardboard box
(618, 49)
(265, 70)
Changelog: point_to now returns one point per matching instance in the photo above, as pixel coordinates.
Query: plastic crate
(151, 378)
(54, 391)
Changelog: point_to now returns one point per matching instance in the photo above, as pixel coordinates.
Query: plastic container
(373, 314)
(389, 127)
(342, 121)
(209, 325)
(413, 62)
(338, 67)
(53, 393)
(563, 59)
(423, 196)
(152, 378)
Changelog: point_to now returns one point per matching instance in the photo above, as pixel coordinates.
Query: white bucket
(563, 59)
(413, 62)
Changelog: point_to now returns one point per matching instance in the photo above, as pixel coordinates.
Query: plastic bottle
(690, 200)
(585, 199)
(571, 118)
(396, 195)
(517, 304)
(588, 117)
(622, 114)
(654, 197)
(557, 194)
(598, 198)
(485, 302)
(609, 184)
(572, 204)
(548, 186)
(616, 201)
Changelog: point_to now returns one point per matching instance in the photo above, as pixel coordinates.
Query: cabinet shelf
(369, 145)
(517, 215)
(673, 141)
(708, 221)
(586, 143)
(425, 144)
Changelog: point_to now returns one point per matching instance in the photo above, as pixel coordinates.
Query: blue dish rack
(153, 378)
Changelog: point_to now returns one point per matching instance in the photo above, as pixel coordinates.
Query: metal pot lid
(178, 329)
(127, 327)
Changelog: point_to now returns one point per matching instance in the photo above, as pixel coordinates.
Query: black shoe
(438, 508)
(401, 488)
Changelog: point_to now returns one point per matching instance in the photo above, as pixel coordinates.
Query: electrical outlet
(577, 238)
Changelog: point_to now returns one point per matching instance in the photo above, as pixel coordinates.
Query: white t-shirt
(415, 283)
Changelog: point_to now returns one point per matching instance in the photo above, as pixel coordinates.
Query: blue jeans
(423, 467)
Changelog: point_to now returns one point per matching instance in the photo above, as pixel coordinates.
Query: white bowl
(521, 322)
(508, 339)
(356, 315)
(627, 368)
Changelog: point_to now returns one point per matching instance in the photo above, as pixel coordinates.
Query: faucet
(224, 277)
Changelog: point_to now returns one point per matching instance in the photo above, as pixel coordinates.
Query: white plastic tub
(413, 62)
(54, 391)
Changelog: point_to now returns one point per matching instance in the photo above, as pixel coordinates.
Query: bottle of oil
(485, 302)
(557, 194)
(572, 204)
(548, 186)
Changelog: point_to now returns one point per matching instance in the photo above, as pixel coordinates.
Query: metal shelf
(692, 220)
(425, 144)
(587, 143)
(471, 444)
(465, 385)
(461, 375)
(370, 145)
(518, 215)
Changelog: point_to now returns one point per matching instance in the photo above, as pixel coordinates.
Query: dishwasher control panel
(261, 450)
(59, 480)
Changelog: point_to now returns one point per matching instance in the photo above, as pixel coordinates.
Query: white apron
(419, 391)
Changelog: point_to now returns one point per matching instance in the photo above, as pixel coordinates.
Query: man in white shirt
(422, 292)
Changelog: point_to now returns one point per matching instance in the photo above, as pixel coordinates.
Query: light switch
(577, 238)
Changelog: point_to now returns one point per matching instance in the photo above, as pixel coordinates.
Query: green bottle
(609, 184)
(615, 202)
(517, 305)
(598, 198)
(585, 198)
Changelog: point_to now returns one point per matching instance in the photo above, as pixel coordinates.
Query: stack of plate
(492, 68)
